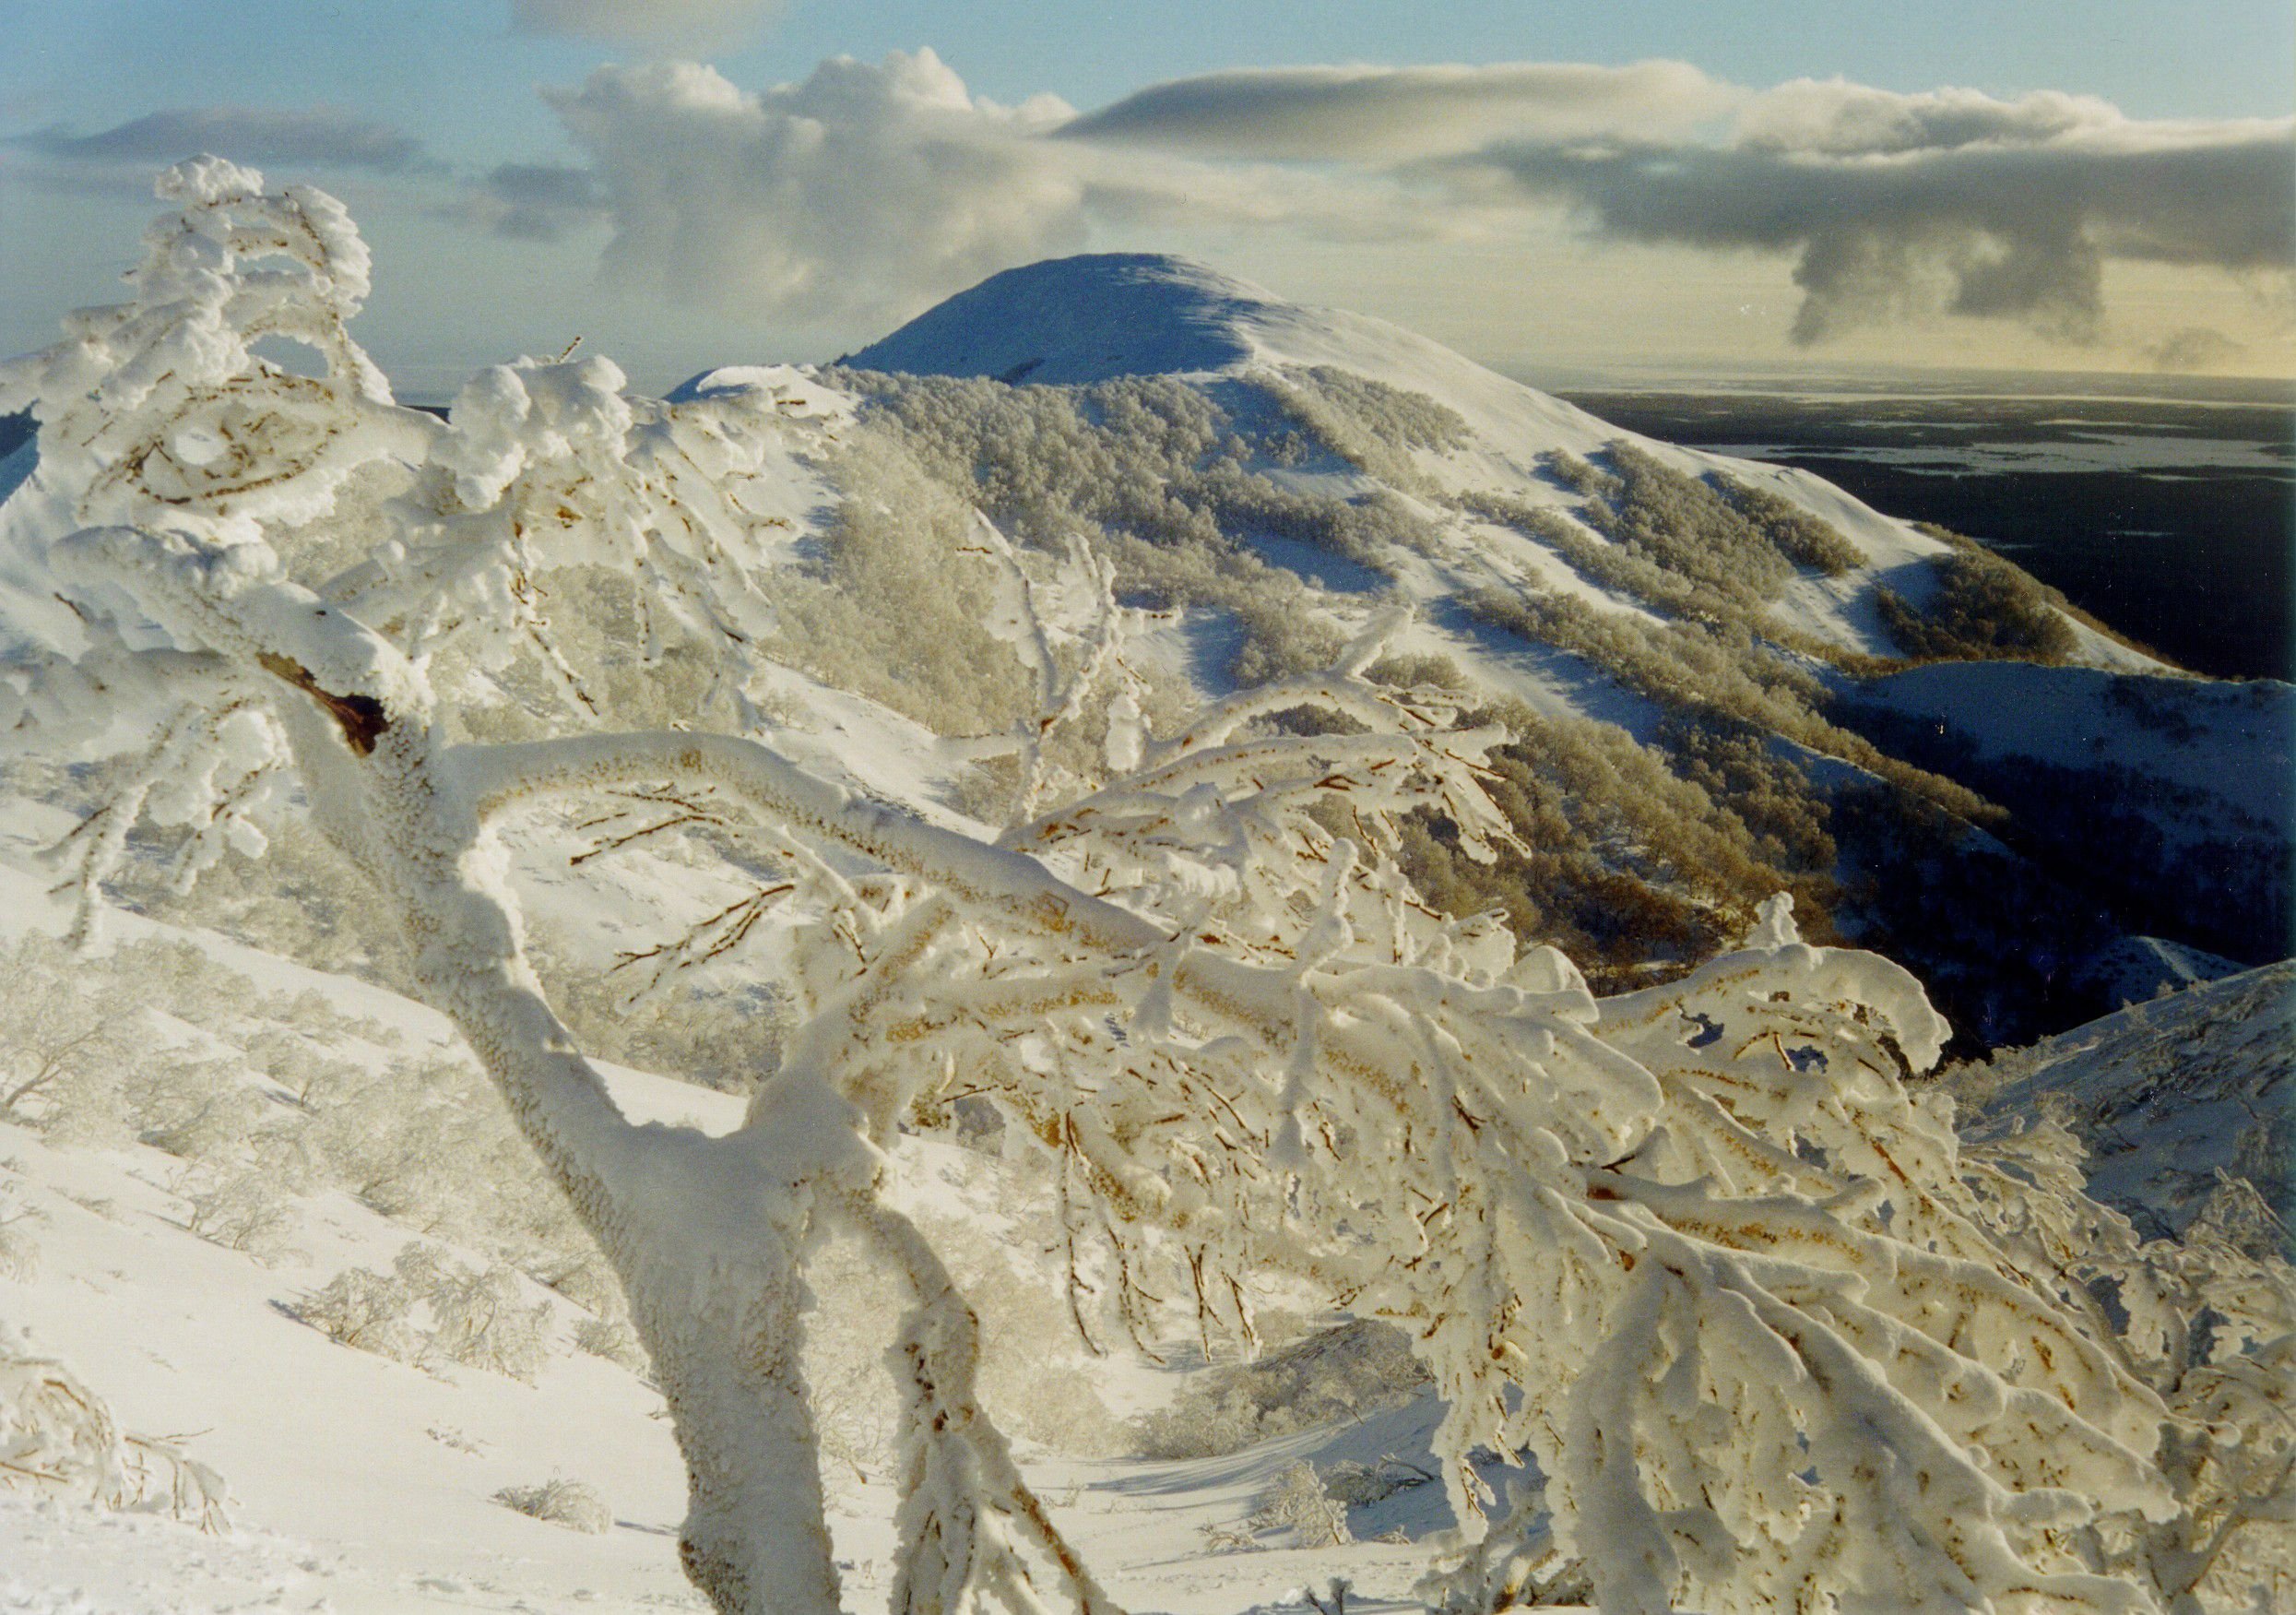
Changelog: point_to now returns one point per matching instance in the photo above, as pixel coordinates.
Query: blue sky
(655, 214)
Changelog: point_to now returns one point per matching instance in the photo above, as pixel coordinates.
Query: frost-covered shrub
(1298, 1504)
(1686, 526)
(1153, 471)
(613, 1339)
(58, 1436)
(19, 1249)
(1598, 560)
(1705, 671)
(431, 1308)
(1985, 608)
(1359, 1484)
(428, 1142)
(247, 1210)
(1802, 537)
(301, 902)
(897, 612)
(198, 1108)
(570, 1503)
(478, 1316)
(180, 977)
(364, 1310)
(1394, 415)
(62, 1045)
(1342, 1372)
(1685, 546)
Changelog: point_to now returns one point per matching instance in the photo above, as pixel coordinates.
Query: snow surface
(2168, 1093)
(1078, 320)
(2232, 745)
(363, 1486)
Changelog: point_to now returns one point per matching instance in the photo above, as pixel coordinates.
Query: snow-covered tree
(1773, 1336)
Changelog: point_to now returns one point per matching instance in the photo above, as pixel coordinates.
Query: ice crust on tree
(1776, 1338)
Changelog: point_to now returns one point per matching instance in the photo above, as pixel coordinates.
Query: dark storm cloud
(1897, 206)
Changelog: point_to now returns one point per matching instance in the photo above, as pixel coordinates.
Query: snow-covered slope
(2170, 1094)
(2212, 755)
(1663, 627)
(1098, 317)
(1591, 576)
(368, 1486)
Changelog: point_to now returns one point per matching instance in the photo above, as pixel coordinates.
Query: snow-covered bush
(58, 1436)
(613, 1339)
(570, 1503)
(1985, 609)
(1359, 1484)
(479, 1317)
(363, 1310)
(432, 1310)
(61, 1047)
(1156, 472)
(1343, 1373)
(192, 1106)
(1297, 1504)
(246, 1211)
(1801, 538)
(1773, 1336)
(20, 1246)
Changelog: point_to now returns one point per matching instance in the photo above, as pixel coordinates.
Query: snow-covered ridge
(1067, 322)
(1083, 319)
(1483, 503)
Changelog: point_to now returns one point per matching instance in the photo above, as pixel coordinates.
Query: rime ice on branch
(1774, 1336)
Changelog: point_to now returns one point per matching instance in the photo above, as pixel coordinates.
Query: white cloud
(868, 191)
(306, 136)
(1840, 119)
(1386, 114)
(867, 188)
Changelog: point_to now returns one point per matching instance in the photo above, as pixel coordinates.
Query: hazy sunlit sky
(1639, 184)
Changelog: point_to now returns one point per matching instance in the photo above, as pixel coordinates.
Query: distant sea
(2165, 506)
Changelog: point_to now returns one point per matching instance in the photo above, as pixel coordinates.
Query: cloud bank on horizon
(867, 191)
(870, 189)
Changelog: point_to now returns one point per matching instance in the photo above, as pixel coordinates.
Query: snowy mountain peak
(1082, 319)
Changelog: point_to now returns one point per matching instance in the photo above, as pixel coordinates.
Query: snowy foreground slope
(268, 1212)
(362, 1484)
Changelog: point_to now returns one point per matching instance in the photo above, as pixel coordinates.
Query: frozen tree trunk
(703, 1234)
